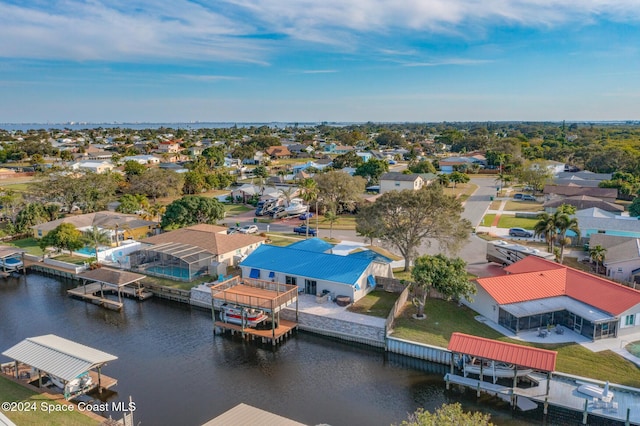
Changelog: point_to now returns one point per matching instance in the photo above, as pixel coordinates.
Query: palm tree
(546, 226)
(156, 210)
(443, 180)
(566, 223)
(96, 237)
(309, 189)
(330, 217)
(597, 254)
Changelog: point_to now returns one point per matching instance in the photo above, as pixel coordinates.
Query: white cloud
(237, 30)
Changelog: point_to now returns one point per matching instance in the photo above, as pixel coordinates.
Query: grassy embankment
(10, 392)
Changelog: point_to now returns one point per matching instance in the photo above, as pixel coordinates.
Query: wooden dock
(94, 293)
(284, 329)
(563, 392)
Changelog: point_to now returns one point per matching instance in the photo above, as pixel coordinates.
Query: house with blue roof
(311, 266)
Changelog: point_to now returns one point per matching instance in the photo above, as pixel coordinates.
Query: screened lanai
(177, 261)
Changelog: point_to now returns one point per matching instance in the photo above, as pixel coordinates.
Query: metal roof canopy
(58, 356)
(523, 356)
(111, 277)
(185, 252)
(555, 304)
(8, 251)
(244, 415)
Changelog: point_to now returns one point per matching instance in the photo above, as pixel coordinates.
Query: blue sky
(309, 60)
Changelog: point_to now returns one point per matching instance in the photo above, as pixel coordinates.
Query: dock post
(478, 391)
(446, 378)
(546, 405)
(585, 413)
(627, 422)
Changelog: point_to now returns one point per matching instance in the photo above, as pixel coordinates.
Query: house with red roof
(537, 292)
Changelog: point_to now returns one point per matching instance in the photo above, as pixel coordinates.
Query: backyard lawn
(444, 318)
(377, 303)
(30, 245)
(13, 392)
(235, 209)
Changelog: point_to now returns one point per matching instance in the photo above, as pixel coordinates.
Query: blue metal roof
(371, 255)
(312, 244)
(290, 261)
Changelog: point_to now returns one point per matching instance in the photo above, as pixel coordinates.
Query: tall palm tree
(96, 237)
(597, 254)
(546, 226)
(566, 223)
(309, 193)
(330, 217)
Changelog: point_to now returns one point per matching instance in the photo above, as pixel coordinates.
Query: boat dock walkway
(268, 335)
(94, 293)
(563, 392)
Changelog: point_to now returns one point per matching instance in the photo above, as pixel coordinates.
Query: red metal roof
(536, 278)
(523, 356)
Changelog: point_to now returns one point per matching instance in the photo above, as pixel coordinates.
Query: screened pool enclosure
(176, 261)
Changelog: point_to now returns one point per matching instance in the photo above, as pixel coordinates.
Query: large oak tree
(406, 219)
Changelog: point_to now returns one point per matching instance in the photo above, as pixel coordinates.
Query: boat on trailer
(494, 369)
(238, 315)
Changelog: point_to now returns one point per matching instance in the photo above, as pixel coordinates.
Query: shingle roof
(289, 260)
(523, 356)
(397, 176)
(208, 237)
(535, 278)
(582, 202)
(103, 219)
(573, 190)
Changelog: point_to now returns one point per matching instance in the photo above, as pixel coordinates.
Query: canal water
(179, 373)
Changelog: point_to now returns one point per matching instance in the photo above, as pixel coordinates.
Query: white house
(396, 181)
(537, 293)
(93, 166)
(309, 265)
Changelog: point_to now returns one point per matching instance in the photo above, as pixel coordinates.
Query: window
(290, 280)
(40, 233)
(630, 320)
(397, 183)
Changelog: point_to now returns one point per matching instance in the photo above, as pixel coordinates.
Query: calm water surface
(179, 373)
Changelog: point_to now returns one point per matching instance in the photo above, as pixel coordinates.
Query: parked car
(305, 216)
(520, 232)
(518, 196)
(248, 229)
(527, 197)
(302, 230)
(232, 230)
(277, 212)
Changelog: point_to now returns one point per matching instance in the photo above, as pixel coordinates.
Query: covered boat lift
(270, 297)
(489, 350)
(120, 282)
(9, 262)
(62, 358)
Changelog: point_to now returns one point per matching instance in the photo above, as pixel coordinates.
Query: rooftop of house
(400, 177)
(103, 219)
(303, 262)
(208, 237)
(534, 278)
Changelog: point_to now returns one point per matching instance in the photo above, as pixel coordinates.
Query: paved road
(473, 252)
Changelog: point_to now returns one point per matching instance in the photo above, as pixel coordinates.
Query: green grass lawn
(76, 260)
(235, 209)
(523, 206)
(487, 220)
(345, 221)
(30, 245)
(280, 240)
(444, 318)
(516, 222)
(10, 392)
(177, 284)
(378, 303)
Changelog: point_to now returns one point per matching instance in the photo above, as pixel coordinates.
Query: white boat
(11, 263)
(494, 369)
(596, 391)
(238, 315)
(79, 384)
(295, 207)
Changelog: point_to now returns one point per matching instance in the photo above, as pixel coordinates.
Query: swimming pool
(171, 271)
(633, 348)
(89, 251)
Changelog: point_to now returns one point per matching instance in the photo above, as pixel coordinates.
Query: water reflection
(179, 372)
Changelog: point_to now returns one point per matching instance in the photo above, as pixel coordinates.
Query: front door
(310, 287)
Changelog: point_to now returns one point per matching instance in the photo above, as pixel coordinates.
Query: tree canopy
(64, 237)
(447, 415)
(405, 219)
(339, 191)
(372, 170)
(191, 210)
(447, 275)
